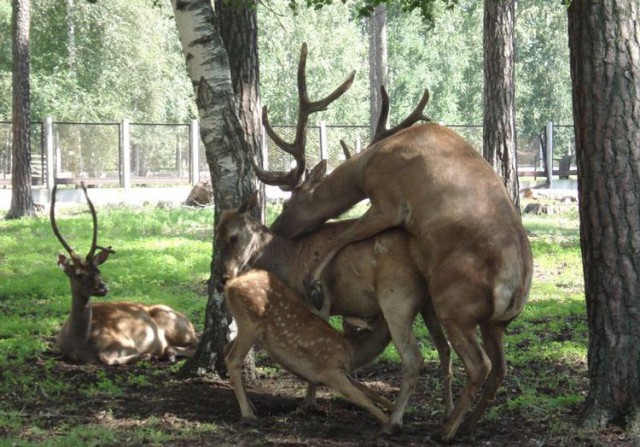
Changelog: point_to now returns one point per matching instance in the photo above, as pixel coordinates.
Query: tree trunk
(604, 41)
(242, 48)
(378, 69)
(499, 135)
(222, 132)
(21, 198)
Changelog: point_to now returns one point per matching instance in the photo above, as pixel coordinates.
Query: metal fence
(134, 154)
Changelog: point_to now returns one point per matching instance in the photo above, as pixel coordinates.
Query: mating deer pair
(114, 333)
(467, 238)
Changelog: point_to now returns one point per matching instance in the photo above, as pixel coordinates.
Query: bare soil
(184, 405)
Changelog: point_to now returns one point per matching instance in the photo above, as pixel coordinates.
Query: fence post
(264, 149)
(323, 141)
(549, 135)
(51, 159)
(125, 148)
(194, 151)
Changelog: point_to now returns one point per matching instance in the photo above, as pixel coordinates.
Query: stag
(267, 311)
(370, 279)
(468, 237)
(116, 333)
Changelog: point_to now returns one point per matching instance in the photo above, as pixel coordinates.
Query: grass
(163, 255)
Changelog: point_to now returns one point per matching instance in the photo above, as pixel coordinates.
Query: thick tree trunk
(21, 198)
(242, 48)
(499, 135)
(222, 132)
(604, 40)
(378, 67)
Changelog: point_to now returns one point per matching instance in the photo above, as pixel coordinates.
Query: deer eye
(233, 239)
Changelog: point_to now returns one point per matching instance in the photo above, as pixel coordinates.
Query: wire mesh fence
(162, 153)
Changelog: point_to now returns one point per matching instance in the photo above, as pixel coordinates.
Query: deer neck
(339, 190)
(81, 314)
(273, 250)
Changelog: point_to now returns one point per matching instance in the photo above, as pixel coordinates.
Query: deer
(469, 239)
(114, 333)
(368, 280)
(267, 312)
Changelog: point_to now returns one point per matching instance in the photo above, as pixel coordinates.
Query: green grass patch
(163, 256)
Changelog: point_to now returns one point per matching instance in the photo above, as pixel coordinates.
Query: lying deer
(114, 333)
(469, 239)
(269, 313)
(372, 278)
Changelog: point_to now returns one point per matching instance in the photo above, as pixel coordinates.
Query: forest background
(104, 61)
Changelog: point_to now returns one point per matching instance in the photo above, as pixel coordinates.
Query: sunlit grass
(164, 256)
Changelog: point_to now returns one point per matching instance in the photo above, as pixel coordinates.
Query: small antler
(292, 178)
(381, 128)
(345, 150)
(94, 218)
(54, 225)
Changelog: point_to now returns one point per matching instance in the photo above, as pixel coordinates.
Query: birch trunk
(226, 150)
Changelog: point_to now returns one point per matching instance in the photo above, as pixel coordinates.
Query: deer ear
(248, 204)
(62, 262)
(102, 256)
(318, 172)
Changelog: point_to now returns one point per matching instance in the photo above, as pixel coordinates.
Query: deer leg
(492, 338)
(309, 401)
(373, 395)
(399, 314)
(444, 352)
(477, 365)
(369, 224)
(342, 384)
(121, 356)
(235, 353)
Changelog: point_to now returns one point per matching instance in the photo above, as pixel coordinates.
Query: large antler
(292, 178)
(381, 128)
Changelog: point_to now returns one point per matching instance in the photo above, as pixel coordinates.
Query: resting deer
(269, 313)
(469, 239)
(114, 333)
(372, 278)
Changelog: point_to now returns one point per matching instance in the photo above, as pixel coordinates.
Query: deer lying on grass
(269, 313)
(114, 333)
(372, 278)
(469, 239)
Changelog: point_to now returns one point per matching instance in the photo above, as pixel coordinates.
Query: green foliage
(103, 71)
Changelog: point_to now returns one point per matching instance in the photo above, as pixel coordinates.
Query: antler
(381, 128)
(292, 178)
(54, 225)
(94, 217)
(94, 240)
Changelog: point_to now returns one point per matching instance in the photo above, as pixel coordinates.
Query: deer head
(237, 237)
(308, 206)
(83, 274)
(292, 179)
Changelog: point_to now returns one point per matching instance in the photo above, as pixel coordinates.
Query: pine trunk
(604, 40)
(378, 71)
(222, 132)
(21, 198)
(499, 135)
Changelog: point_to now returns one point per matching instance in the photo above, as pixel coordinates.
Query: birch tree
(226, 149)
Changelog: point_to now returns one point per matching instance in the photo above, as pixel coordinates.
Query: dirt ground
(184, 405)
